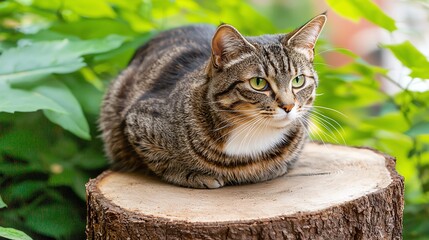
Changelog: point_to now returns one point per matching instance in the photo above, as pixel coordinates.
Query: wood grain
(333, 192)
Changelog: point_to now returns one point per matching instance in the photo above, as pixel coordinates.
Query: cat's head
(268, 77)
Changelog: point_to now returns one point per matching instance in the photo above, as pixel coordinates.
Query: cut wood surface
(332, 192)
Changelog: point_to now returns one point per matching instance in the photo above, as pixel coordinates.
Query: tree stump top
(324, 176)
(332, 192)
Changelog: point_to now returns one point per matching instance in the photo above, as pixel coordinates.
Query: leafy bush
(57, 57)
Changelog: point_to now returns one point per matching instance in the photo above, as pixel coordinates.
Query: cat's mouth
(281, 119)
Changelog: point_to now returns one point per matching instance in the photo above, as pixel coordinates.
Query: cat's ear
(304, 38)
(227, 44)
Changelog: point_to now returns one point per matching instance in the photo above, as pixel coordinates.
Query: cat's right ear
(227, 44)
(304, 38)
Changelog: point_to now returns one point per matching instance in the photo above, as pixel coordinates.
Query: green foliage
(47, 57)
(13, 234)
(54, 220)
(394, 123)
(367, 9)
(411, 58)
(57, 57)
(2, 204)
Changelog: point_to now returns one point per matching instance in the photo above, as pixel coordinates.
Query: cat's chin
(281, 119)
(281, 123)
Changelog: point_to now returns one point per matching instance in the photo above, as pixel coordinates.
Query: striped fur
(184, 108)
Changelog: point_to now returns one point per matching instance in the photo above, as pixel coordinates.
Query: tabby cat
(203, 107)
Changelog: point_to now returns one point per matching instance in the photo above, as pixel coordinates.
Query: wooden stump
(333, 192)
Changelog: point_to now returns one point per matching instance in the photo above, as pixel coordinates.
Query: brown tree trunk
(332, 192)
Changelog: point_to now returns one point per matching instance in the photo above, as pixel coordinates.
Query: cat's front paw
(204, 181)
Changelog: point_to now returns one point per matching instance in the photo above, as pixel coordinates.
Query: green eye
(298, 81)
(259, 84)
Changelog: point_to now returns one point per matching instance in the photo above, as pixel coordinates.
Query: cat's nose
(288, 107)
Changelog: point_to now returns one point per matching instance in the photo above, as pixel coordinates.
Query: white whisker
(323, 115)
(324, 64)
(233, 121)
(240, 126)
(251, 131)
(243, 128)
(318, 134)
(330, 50)
(312, 125)
(331, 109)
(322, 122)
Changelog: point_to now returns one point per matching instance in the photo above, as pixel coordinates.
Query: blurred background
(58, 56)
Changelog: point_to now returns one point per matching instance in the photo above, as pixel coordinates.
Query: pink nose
(288, 107)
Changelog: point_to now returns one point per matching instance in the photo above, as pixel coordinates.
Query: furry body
(185, 110)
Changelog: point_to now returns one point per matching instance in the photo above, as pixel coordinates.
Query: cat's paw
(205, 181)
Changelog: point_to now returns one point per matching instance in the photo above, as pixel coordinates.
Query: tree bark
(332, 192)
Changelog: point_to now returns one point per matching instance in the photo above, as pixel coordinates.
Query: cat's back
(172, 54)
(193, 38)
(160, 64)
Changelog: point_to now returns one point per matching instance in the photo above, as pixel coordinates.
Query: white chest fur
(252, 141)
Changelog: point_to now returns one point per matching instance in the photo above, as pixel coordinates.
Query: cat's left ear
(228, 44)
(304, 38)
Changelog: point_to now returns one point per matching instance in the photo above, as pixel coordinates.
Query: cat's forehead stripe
(285, 59)
(237, 60)
(271, 60)
(292, 66)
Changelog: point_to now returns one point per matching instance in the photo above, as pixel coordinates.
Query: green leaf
(45, 35)
(79, 184)
(25, 190)
(412, 58)
(128, 5)
(13, 169)
(54, 98)
(72, 178)
(25, 142)
(62, 150)
(91, 9)
(356, 9)
(418, 129)
(137, 22)
(92, 28)
(54, 220)
(2, 204)
(17, 100)
(65, 177)
(68, 175)
(73, 119)
(5, 45)
(13, 234)
(88, 96)
(95, 45)
(388, 107)
(131, 45)
(7, 7)
(394, 122)
(90, 160)
(47, 57)
(47, 4)
(388, 141)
